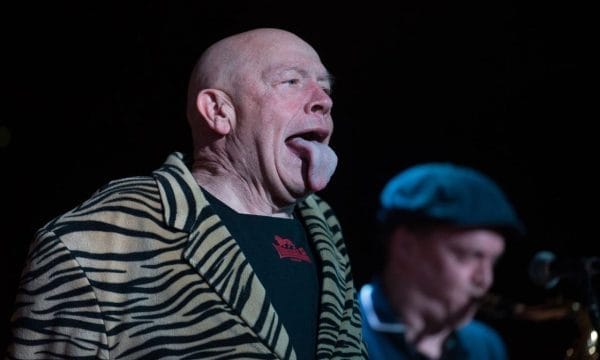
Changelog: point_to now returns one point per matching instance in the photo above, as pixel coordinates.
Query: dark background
(96, 92)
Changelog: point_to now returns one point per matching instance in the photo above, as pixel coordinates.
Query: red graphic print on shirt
(286, 249)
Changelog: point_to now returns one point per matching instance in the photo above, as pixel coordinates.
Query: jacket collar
(210, 245)
(334, 269)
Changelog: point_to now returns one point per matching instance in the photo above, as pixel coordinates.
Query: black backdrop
(96, 92)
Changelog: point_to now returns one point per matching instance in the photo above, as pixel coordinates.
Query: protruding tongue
(320, 158)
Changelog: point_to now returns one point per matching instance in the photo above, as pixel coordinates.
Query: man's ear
(217, 110)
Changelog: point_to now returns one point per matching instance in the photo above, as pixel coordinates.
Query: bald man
(225, 254)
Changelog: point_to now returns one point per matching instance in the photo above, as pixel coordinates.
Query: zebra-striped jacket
(145, 269)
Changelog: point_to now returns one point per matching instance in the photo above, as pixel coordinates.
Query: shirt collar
(377, 311)
(380, 317)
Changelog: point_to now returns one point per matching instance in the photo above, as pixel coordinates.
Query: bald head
(228, 56)
(222, 64)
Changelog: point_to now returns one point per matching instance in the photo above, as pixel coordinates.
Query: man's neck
(425, 334)
(239, 195)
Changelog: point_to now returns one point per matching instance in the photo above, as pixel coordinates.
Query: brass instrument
(586, 345)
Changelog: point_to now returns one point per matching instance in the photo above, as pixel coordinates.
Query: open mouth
(318, 160)
(311, 135)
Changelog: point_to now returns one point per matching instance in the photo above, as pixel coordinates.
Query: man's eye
(462, 255)
(292, 81)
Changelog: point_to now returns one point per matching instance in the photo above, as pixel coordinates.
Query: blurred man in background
(443, 228)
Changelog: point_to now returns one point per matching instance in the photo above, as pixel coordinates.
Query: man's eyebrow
(328, 77)
(323, 77)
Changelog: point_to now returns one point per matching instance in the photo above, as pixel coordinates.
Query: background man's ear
(217, 110)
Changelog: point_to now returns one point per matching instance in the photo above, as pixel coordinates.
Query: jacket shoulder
(120, 204)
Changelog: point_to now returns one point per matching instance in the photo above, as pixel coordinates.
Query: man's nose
(320, 101)
(484, 276)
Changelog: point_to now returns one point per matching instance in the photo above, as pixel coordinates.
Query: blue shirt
(384, 334)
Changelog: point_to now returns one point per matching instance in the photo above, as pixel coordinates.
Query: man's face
(284, 123)
(457, 269)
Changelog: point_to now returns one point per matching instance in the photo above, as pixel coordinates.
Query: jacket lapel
(217, 257)
(332, 273)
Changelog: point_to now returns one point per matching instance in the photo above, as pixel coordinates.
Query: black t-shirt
(280, 255)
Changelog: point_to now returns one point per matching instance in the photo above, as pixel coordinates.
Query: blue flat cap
(451, 194)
